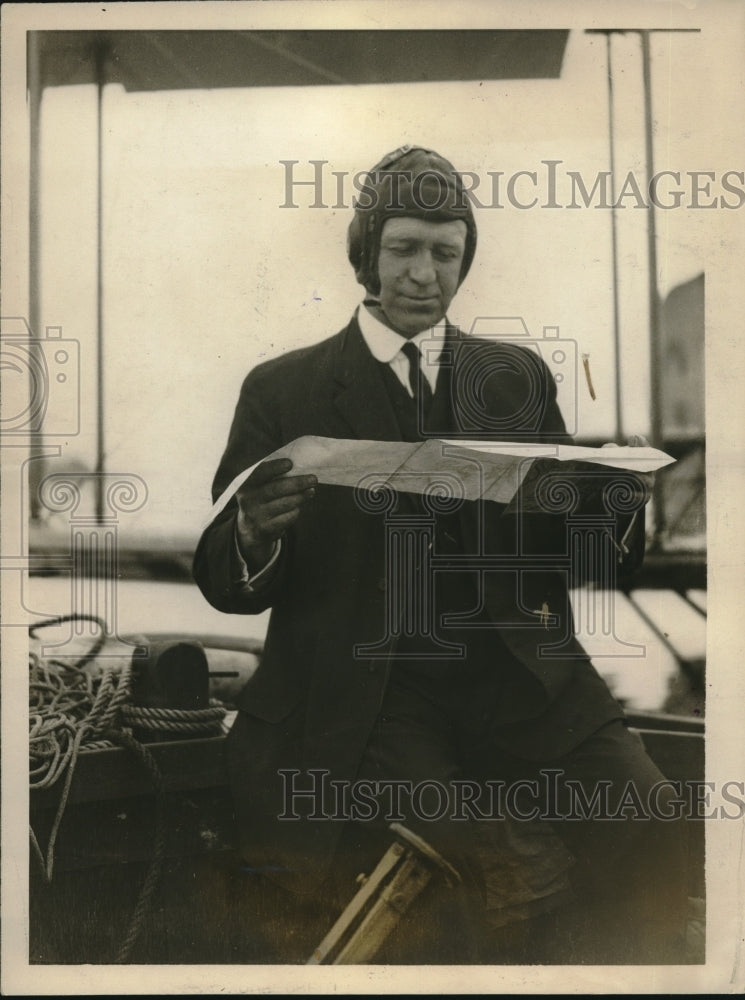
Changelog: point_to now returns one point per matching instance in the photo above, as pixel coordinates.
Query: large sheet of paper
(473, 470)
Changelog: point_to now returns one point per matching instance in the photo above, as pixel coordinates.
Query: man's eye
(445, 254)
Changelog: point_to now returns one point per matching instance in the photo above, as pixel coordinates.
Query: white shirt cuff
(248, 582)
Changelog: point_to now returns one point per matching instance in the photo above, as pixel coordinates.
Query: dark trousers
(627, 874)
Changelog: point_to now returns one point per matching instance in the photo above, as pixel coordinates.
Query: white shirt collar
(385, 343)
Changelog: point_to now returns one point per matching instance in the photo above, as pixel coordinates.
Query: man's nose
(422, 269)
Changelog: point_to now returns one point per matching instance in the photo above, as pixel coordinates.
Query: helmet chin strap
(374, 304)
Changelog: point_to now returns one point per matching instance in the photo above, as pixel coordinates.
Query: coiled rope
(175, 720)
(73, 708)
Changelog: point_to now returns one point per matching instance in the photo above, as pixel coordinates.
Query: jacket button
(382, 583)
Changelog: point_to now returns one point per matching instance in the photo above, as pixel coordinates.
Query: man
(341, 695)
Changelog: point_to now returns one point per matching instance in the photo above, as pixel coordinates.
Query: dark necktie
(418, 381)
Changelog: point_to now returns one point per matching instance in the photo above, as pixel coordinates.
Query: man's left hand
(646, 479)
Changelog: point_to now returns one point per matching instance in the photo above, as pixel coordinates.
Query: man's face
(418, 266)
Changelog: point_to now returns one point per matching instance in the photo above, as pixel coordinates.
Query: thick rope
(152, 877)
(199, 720)
(66, 706)
(73, 709)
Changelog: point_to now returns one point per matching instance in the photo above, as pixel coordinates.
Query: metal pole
(100, 56)
(656, 429)
(614, 250)
(655, 356)
(35, 468)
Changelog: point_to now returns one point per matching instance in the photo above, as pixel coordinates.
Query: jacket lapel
(362, 400)
(439, 421)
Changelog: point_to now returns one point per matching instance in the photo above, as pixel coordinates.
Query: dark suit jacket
(312, 702)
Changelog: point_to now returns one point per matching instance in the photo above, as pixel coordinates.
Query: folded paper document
(468, 470)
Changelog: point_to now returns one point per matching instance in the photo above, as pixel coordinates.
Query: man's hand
(268, 503)
(647, 479)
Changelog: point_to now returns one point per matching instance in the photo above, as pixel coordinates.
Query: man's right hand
(268, 503)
